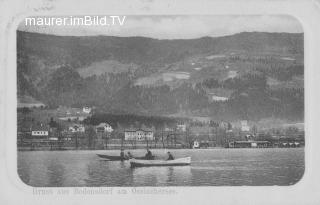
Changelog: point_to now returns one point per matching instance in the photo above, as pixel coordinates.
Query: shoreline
(211, 148)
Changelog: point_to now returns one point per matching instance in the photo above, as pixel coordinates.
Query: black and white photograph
(160, 100)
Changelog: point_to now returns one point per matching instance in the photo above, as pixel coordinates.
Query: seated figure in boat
(129, 155)
(148, 154)
(170, 157)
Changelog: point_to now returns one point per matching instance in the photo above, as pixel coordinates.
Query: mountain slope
(260, 73)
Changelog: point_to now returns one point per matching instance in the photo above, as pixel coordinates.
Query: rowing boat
(111, 158)
(148, 163)
(118, 158)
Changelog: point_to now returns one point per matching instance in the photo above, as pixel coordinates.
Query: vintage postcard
(160, 103)
(113, 106)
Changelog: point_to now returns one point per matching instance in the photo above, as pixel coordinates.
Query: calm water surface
(210, 167)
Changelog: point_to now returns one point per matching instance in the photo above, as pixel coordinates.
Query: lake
(209, 167)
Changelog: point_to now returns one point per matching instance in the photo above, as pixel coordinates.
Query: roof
(76, 125)
(147, 130)
(130, 130)
(135, 130)
(40, 128)
(103, 124)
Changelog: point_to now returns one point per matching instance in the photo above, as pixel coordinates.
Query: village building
(86, 110)
(76, 128)
(40, 131)
(68, 113)
(168, 129)
(223, 125)
(139, 134)
(215, 98)
(103, 128)
(219, 94)
(196, 144)
(181, 127)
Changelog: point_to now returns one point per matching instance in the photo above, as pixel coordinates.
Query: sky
(176, 27)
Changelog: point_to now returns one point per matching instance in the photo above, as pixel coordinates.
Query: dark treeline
(283, 73)
(131, 120)
(127, 121)
(238, 83)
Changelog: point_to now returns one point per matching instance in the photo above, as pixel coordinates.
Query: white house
(104, 127)
(76, 128)
(216, 98)
(167, 129)
(196, 144)
(86, 109)
(40, 131)
(139, 134)
(130, 135)
(69, 113)
(148, 134)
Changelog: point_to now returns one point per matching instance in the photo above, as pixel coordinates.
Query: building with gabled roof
(103, 128)
(40, 131)
(139, 134)
(76, 128)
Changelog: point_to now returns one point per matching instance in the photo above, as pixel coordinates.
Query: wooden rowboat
(117, 158)
(148, 163)
(111, 158)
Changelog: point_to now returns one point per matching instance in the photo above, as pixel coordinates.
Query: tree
(189, 139)
(77, 141)
(25, 110)
(53, 123)
(291, 131)
(91, 135)
(254, 130)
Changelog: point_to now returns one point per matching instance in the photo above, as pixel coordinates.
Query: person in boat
(129, 155)
(170, 157)
(149, 154)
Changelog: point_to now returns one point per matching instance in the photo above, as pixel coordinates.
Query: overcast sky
(178, 27)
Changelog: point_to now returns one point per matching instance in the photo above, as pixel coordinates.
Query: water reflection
(161, 176)
(108, 173)
(55, 173)
(24, 171)
(208, 168)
